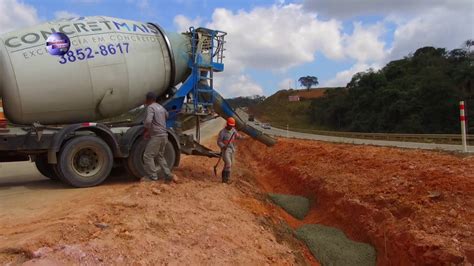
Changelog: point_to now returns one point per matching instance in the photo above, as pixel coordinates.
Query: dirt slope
(311, 94)
(197, 221)
(413, 206)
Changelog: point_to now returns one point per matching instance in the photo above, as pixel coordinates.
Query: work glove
(146, 134)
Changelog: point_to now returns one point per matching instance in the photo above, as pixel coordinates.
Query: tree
(308, 81)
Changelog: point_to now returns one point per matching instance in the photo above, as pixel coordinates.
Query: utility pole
(462, 118)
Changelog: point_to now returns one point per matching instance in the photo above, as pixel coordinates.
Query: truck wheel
(134, 162)
(85, 161)
(45, 168)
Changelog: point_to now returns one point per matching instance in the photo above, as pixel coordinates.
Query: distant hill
(311, 93)
(417, 94)
(278, 110)
(247, 101)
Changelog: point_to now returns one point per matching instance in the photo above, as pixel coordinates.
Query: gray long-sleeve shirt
(155, 120)
(228, 137)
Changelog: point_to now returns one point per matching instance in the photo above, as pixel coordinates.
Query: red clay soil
(415, 207)
(198, 220)
(312, 93)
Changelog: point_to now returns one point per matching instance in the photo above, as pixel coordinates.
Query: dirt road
(385, 143)
(195, 221)
(25, 192)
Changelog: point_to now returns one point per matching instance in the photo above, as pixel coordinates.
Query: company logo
(58, 44)
(78, 29)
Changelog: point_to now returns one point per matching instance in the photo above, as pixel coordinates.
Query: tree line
(417, 94)
(245, 101)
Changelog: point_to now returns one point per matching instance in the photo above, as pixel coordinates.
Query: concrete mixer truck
(61, 79)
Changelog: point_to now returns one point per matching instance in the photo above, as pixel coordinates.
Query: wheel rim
(87, 161)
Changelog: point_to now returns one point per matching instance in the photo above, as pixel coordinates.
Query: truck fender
(135, 132)
(99, 129)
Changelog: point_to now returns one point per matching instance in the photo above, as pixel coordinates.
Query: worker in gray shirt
(157, 136)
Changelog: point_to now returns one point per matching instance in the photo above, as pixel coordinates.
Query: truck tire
(84, 161)
(46, 169)
(134, 162)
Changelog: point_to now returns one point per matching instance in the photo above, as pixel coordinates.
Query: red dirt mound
(413, 206)
(311, 93)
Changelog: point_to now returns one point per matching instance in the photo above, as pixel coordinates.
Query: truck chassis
(83, 154)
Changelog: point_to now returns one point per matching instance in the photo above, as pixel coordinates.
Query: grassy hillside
(279, 111)
(418, 94)
(311, 94)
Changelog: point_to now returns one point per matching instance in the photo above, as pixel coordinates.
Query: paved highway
(410, 145)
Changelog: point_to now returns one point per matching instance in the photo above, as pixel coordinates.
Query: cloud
(281, 36)
(365, 43)
(439, 27)
(277, 37)
(366, 46)
(237, 85)
(286, 83)
(343, 77)
(352, 8)
(143, 6)
(65, 14)
(15, 14)
(183, 23)
(444, 24)
(273, 38)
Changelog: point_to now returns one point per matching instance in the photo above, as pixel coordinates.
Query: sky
(271, 43)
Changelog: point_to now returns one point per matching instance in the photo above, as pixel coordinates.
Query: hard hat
(231, 121)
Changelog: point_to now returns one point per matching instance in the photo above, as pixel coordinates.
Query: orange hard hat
(231, 121)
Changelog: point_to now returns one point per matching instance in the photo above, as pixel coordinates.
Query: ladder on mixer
(207, 55)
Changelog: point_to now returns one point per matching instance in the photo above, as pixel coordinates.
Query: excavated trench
(329, 245)
(414, 207)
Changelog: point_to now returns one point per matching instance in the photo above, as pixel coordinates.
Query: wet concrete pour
(329, 245)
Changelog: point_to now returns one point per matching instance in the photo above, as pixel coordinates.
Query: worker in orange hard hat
(226, 141)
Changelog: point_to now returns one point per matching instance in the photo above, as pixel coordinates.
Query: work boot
(171, 178)
(228, 181)
(225, 176)
(148, 178)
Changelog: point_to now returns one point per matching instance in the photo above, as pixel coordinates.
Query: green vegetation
(308, 81)
(245, 101)
(331, 246)
(417, 94)
(277, 110)
(297, 206)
